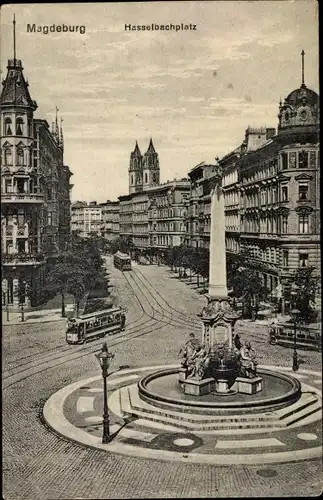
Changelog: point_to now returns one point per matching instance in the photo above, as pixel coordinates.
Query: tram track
(69, 353)
(187, 318)
(154, 316)
(181, 316)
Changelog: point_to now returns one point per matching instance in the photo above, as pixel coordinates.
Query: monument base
(182, 375)
(248, 385)
(222, 388)
(196, 387)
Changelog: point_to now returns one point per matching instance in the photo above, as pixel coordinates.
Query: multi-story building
(279, 184)
(140, 226)
(34, 191)
(143, 170)
(86, 218)
(125, 215)
(167, 213)
(110, 228)
(271, 192)
(231, 193)
(198, 205)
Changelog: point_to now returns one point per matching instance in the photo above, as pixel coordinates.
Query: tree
(306, 286)
(123, 244)
(248, 286)
(62, 277)
(77, 270)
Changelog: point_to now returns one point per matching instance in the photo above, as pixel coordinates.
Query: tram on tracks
(307, 337)
(122, 261)
(94, 325)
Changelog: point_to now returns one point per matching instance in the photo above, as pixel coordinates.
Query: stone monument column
(217, 270)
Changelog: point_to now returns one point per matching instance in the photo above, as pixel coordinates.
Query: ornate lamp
(104, 357)
(294, 314)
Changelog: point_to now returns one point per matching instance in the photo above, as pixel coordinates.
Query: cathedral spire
(136, 151)
(151, 148)
(303, 55)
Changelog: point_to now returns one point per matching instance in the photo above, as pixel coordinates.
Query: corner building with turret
(35, 192)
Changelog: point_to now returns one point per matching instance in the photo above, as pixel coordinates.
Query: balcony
(22, 198)
(22, 259)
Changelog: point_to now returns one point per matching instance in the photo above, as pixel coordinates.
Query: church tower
(135, 170)
(150, 167)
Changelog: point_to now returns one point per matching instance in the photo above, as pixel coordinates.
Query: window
(7, 156)
(284, 161)
(20, 157)
(284, 193)
(285, 224)
(8, 126)
(8, 185)
(303, 260)
(303, 226)
(303, 191)
(303, 159)
(285, 258)
(19, 126)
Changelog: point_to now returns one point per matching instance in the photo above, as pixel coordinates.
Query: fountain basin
(161, 389)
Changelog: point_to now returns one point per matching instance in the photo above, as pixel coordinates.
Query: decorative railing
(9, 258)
(23, 197)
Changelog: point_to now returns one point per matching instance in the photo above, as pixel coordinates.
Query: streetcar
(94, 325)
(122, 261)
(307, 337)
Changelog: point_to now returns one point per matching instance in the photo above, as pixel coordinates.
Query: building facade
(167, 213)
(279, 183)
(198, 213)
(35, 191)
(86, 218)
(125, 215)
(110, 228)
(271, 194)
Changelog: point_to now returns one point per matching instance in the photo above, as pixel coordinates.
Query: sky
(194, 92)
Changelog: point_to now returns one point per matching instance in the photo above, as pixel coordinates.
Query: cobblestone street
(37, 362)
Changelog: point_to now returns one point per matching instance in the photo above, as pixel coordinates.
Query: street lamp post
(295, 313)
(104, 357)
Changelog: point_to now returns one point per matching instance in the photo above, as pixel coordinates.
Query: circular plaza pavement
(75, 413)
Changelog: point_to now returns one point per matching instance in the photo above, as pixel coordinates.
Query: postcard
(160, 250)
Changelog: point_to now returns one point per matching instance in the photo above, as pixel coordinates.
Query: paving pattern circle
(267, 472)
(76, 413)
(307, 436)
(183, 442)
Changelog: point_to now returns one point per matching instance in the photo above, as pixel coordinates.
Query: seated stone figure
(248, 361)
(200, 363)
(189, 351)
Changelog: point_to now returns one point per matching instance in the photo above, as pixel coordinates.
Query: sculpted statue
(188, 352)
(248, 361)
(200, 363)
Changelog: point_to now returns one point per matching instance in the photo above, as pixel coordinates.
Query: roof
(136, 151)
(121, 255)
(151, 149)
(296, 96)
(15, 88)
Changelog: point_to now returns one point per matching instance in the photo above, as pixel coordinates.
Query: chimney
(270, 132)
